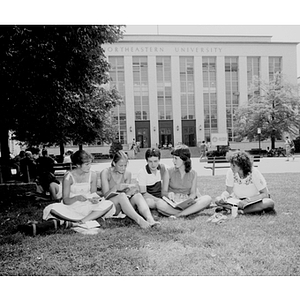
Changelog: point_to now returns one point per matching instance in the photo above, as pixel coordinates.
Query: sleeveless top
(79, 188)
(111, 180)
(181, 185)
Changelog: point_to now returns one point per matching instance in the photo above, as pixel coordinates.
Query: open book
(92, 196)
(89, 224)
(125, 188)
(235, 201)
(182, 204)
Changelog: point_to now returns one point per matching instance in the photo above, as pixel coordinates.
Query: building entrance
(189, 133)
(165, 133)
(143, 133)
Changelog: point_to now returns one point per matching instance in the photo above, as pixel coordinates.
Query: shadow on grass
(248, 245)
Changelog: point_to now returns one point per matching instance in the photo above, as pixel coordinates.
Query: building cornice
(232, 39)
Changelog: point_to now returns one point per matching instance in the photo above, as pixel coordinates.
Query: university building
(184, 88)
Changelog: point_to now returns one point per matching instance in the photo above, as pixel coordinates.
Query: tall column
(154, 130)
(129, 98)
(243, 81)
(264, 68)
(176, 103)
(221, 94)
(199, 113)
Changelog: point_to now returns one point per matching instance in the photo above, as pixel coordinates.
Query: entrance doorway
(189, 133)
(165, 137)
(165, 133)
(142, 137)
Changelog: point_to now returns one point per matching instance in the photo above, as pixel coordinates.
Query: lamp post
(259, 132)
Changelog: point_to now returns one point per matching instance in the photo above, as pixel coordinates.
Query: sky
(256, 17)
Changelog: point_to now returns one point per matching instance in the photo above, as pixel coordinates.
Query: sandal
(217, 218)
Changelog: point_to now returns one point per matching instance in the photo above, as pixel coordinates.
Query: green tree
(274, 107)
(52, 80)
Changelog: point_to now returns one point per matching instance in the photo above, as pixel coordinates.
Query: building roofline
(150, 38)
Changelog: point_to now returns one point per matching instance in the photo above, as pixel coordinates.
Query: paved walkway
(266, 165)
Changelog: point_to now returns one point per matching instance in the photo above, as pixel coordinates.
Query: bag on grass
(34, 228)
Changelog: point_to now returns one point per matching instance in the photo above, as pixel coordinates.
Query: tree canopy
(274, 108)
(53, 83)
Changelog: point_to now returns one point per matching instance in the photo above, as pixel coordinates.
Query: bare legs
(54, 191)
(122, 201)
(96, 214)
(200, 204)
(143, 208)
(265, 204)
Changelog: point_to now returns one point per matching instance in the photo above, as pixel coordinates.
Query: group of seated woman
(80, 202)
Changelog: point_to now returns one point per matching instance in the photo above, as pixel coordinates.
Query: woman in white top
(246, 183)
(80, 203)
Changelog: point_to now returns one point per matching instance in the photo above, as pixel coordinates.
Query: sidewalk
(266, 165)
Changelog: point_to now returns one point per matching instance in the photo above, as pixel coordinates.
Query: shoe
(217, 218)
(223, 210)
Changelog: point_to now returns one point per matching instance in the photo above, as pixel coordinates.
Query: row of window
(187, 88)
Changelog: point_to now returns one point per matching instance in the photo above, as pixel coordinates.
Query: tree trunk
(62, 151)
(5, 157)
(273, 142)
(80, 147)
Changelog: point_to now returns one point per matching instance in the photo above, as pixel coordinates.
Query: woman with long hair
(181, 183)
(117, 179)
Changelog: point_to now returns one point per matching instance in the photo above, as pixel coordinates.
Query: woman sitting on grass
(115, 179)
(151, 176)
(246, 183)
(182, 182)
(79, 204)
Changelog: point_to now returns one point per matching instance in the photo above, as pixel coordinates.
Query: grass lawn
(248, 245)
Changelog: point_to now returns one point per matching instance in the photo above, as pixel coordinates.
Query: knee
(268, 203)
(205, 200)
(161, 205)
(121, 198)
(151, 202)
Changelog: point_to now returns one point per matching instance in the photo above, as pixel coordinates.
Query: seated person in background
(17, 160)
(246, 183)
(114, 179)
(28, 168)
(67, 156)
(182, 181)
(45, 167)
(150, 178)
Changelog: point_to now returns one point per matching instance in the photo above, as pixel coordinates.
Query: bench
(61, 168)
(213, 162)
(257, 151)
(100, 156)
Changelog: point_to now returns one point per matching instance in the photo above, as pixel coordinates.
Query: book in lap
(125, 188)
(181, 204)
(235, 201)
(89, 224)
(111, 195)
